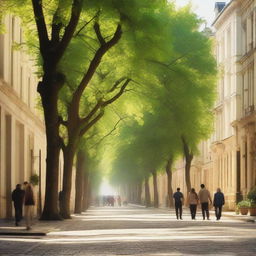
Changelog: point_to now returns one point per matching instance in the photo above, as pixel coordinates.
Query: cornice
(245, 5)
(246, 120)
(14, 99)
(246, 56)
(225, 13)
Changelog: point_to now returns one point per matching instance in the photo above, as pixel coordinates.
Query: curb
(22, 234)
(250, 219)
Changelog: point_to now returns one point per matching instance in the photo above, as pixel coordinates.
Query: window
(21, 83)
(248, 90)
(29, 92)
(245, 91)
(244, 38)
(229, 43)
(251, 32)
(12, 30)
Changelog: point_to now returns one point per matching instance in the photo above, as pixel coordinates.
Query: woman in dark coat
(29, 203)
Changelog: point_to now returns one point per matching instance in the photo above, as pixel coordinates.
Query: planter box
(244, 211)
(252, 211)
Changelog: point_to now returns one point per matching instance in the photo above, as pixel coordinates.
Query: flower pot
(252, 211)
(244, 211)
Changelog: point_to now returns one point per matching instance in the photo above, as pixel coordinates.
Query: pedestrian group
(204, 198)
(24, 197)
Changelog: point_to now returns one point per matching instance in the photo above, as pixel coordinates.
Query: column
(9, 162)
(2, 183)
(243, 164)
(253, 28)
(249, 162)
(233, 170)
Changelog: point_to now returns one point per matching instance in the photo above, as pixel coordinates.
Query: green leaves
(168, 60)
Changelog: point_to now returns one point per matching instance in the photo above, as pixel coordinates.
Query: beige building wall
(22, 140)
(245, 125)
(228, 159)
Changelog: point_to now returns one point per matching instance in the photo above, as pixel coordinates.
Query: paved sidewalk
(42, 228)
(133, 230)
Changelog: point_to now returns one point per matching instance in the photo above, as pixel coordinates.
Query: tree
(81, 180)
(188, 160)
(169, 181)
(59, 24)
(79, 42)
(180, 96)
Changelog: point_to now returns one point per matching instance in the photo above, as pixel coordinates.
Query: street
(135, 231)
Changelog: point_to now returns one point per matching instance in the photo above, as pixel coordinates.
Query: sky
(203, 8)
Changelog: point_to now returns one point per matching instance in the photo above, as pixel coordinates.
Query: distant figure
(29, 203)
(205, 197)
(178, 199)
(193, 202)
(18, 198)
(105, 201)
(218, 202)
(119, 201)
(112, 201)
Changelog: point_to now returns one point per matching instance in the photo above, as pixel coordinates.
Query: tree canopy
(90, 53)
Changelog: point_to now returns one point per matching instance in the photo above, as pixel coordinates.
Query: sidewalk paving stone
(133, 231)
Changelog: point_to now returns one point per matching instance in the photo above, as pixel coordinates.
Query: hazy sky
(203, 8)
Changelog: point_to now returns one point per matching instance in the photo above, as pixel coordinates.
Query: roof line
(226, 6)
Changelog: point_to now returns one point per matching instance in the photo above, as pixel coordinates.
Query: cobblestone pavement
(135, 231)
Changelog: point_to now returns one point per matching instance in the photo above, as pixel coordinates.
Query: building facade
(228, 159)
(22, 134)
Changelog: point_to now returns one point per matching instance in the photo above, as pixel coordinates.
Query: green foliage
(177, 92)
(34, 179)
(252, 195)
(173, 80)
(243, 204)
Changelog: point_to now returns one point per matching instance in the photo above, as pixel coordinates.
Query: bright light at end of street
(106, 189)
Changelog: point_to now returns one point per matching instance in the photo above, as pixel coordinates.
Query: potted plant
(243, 206)
(34, 179)
(252, 197)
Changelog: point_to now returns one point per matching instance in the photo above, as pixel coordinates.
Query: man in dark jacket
(218, 202)
(178, 199)
(18, 198)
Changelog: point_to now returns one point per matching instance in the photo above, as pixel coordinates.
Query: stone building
(22, 135)
(228, 159)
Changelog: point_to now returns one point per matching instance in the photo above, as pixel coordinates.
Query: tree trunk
(147, 193)
(80, 164)
(88, 196)
(139, 191)
(49, 95)
(188, 157)
(156, 197)
(169, 183)
(187, 172)
(68, 154)
(134, 193)
(85, 190)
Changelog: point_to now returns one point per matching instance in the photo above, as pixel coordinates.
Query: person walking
(178, 200)
(29, 203)
(205, 197)
(18, 198)
(119, 201)
(218, 202)
(193, 202)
